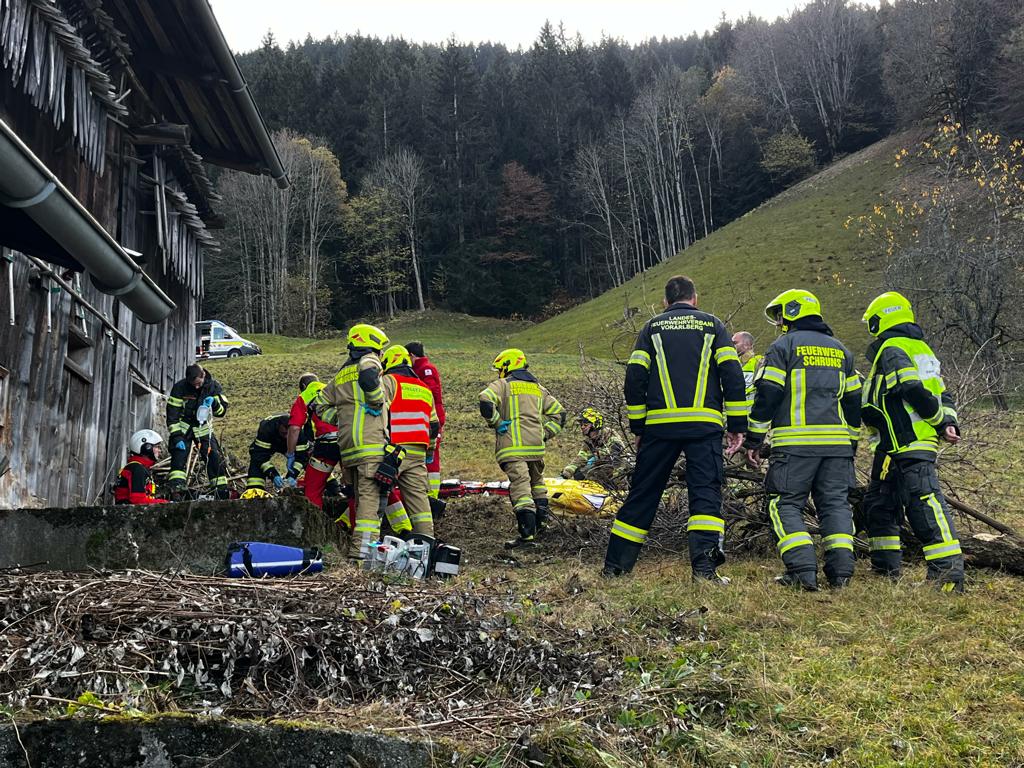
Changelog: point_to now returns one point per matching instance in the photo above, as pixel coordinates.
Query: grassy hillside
(795, 239)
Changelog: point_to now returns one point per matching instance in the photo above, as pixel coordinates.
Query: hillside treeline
(516, 182)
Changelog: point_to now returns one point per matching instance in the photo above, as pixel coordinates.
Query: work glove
(387, 471)
(371, 411)
(290, 459)
(503, 426)
(208, 401)
(567, 473)
(386, 474)
(278, 482)
(292, 482)
(591, 460)
(180, 445)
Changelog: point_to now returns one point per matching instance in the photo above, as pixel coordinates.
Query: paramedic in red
(426, 371)
(135, 481)
(323, 455)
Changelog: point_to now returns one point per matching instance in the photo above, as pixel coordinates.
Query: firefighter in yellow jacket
(524, 415)
(355, 402)
(908, 410)
(413, 425)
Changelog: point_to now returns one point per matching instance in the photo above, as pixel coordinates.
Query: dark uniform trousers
(704, 473)
(826, 479)
(910, 486)
(209, 450)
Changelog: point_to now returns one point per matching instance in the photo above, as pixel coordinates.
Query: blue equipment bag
(257, 559)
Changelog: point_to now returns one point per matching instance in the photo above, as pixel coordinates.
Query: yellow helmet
(791, 305)
(887, 310)
(508, 361)
(365, 336)
(254, 493)
(394, 356)
(593, 417)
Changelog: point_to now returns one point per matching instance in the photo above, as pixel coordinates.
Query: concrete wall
(188, 743)
(189, 536)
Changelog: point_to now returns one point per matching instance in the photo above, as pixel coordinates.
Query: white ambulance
(217, 339)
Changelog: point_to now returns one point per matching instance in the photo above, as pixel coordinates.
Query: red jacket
(301, 414)
(427, 372)
(135, 482)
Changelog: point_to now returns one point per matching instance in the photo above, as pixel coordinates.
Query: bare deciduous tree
(402, 175)
(829, 34)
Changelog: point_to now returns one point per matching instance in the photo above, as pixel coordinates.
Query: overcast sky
(513, 22)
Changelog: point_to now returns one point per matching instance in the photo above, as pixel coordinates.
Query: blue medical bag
(257, 559)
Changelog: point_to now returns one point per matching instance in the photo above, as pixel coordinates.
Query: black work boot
(952, 587)
(710, 577)
(526, 523)
(543, 514)
(806, 581)
(839, 582)
(705, 564)
(437, 508)
(620, 557)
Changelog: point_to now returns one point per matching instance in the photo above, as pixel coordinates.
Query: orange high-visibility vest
(411, 409)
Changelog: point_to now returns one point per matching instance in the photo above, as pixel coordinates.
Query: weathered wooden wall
(71, 397)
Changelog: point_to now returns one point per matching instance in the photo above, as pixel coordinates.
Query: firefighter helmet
(508, 361)
(887, 310)
(593, 417)
(143, 439)
(363, 336)
(254, 493)
(792, 305)
(394, 356)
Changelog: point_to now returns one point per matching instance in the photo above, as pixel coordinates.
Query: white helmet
(142, 438)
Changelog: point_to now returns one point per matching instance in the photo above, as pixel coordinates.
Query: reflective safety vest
(749, 370)
(900, 428)
(411, 410)
(135, 483)
(308, 395)
(362, 434)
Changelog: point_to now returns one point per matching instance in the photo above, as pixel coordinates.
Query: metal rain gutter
(243, 97)
(27, 184)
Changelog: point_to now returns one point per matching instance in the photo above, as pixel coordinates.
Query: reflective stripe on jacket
(347, 402)
(135, 482)
(684, 379)
(535, 415)
(808, 394)
(905, 401)
(750, 366)
(184, 400)
(411, 411)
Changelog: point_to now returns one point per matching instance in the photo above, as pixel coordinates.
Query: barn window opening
(4, 380)
(141, 406)
(78, 360)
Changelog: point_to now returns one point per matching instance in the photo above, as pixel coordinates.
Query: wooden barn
(109, 112)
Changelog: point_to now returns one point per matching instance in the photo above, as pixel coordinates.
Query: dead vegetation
(439, 657)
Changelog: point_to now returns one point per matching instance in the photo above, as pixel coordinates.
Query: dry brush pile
(287, 648)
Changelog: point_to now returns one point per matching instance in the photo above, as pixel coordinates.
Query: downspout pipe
(27, 184)
(240, 90)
